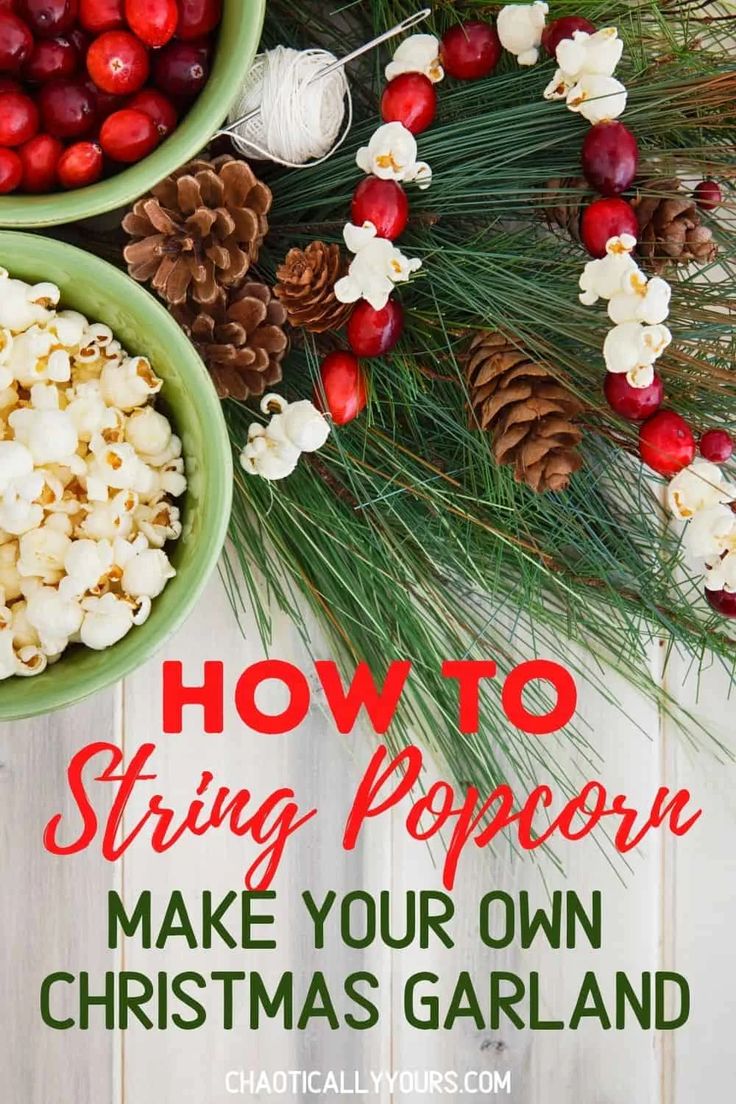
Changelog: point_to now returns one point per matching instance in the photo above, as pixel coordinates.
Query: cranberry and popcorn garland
(380, 207)
(380, 212)
(638, 307)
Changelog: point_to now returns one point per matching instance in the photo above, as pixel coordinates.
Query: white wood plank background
(676, 908)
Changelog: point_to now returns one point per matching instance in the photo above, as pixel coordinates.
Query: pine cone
(198, 230)
(563, 203)
(530, 415)
(670, 228)
(306, 283)
(240, 337)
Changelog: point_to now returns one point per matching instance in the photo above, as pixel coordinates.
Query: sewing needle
(405, 25)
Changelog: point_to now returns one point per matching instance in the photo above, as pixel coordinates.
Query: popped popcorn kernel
(88, 473)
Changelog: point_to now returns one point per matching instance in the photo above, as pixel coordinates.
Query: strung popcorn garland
(638, 306)
(89, 470)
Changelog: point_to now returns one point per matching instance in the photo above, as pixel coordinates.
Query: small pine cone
(563, 203)
(198, 231)
(529, 414)
(240, 338)
(306, 287)
(670, 227)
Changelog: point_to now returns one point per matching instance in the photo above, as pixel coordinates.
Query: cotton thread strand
(299, 119)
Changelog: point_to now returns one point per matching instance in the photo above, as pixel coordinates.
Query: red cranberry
(560, 29)
(717, 446)
(128, 135)
(18, 118)
(666, 443)
(373, 332)
(605, 219)
(51, 58)
(80, 165)
(633, 403)
(16, 42)
(342, 391)
(180, 70)
(9, 5)
(708, 195)
(470, 50)
(80, 40)
(153, 21)
(159, 107)
(198, 17)
(68, 108)
(40, 159)
(410, 99)
(97, 16)
(722, 601)
(49, 18)
(106, 102)
(610, 157)
(11, 171)
(204, 47)
(382, 202)
(117, 62)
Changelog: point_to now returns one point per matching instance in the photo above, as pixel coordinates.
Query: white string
(298, 118)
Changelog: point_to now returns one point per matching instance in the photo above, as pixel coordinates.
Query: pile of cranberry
(90, 86)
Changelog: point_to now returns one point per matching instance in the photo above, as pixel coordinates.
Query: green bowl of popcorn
(115, 475)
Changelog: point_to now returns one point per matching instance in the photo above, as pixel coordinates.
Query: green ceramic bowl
(106, 295)
(240, 33)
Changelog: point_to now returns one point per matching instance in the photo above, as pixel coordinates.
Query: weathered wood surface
(673, 907)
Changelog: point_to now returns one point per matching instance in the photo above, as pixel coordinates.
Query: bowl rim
(19, 211)
(218, 501)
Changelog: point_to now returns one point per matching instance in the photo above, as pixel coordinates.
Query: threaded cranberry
(555, 32)
(708, 195)
(666, 443)
(382, 202)
(470, 50)
(374, 332)
(410, 99)
(610, 157)
(633, 403)
(722, 601)
(605, 219)
(717, 446)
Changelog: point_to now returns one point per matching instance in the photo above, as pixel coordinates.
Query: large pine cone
(306, 287)
(563, 203)
(529, 414)
(240, 337)
(199, 230)
(670, 227)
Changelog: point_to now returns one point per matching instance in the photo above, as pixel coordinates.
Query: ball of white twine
(298, 119)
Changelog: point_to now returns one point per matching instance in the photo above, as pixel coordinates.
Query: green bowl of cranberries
(101, 99)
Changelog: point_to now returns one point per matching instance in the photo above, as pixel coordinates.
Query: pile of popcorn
(88, 474)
